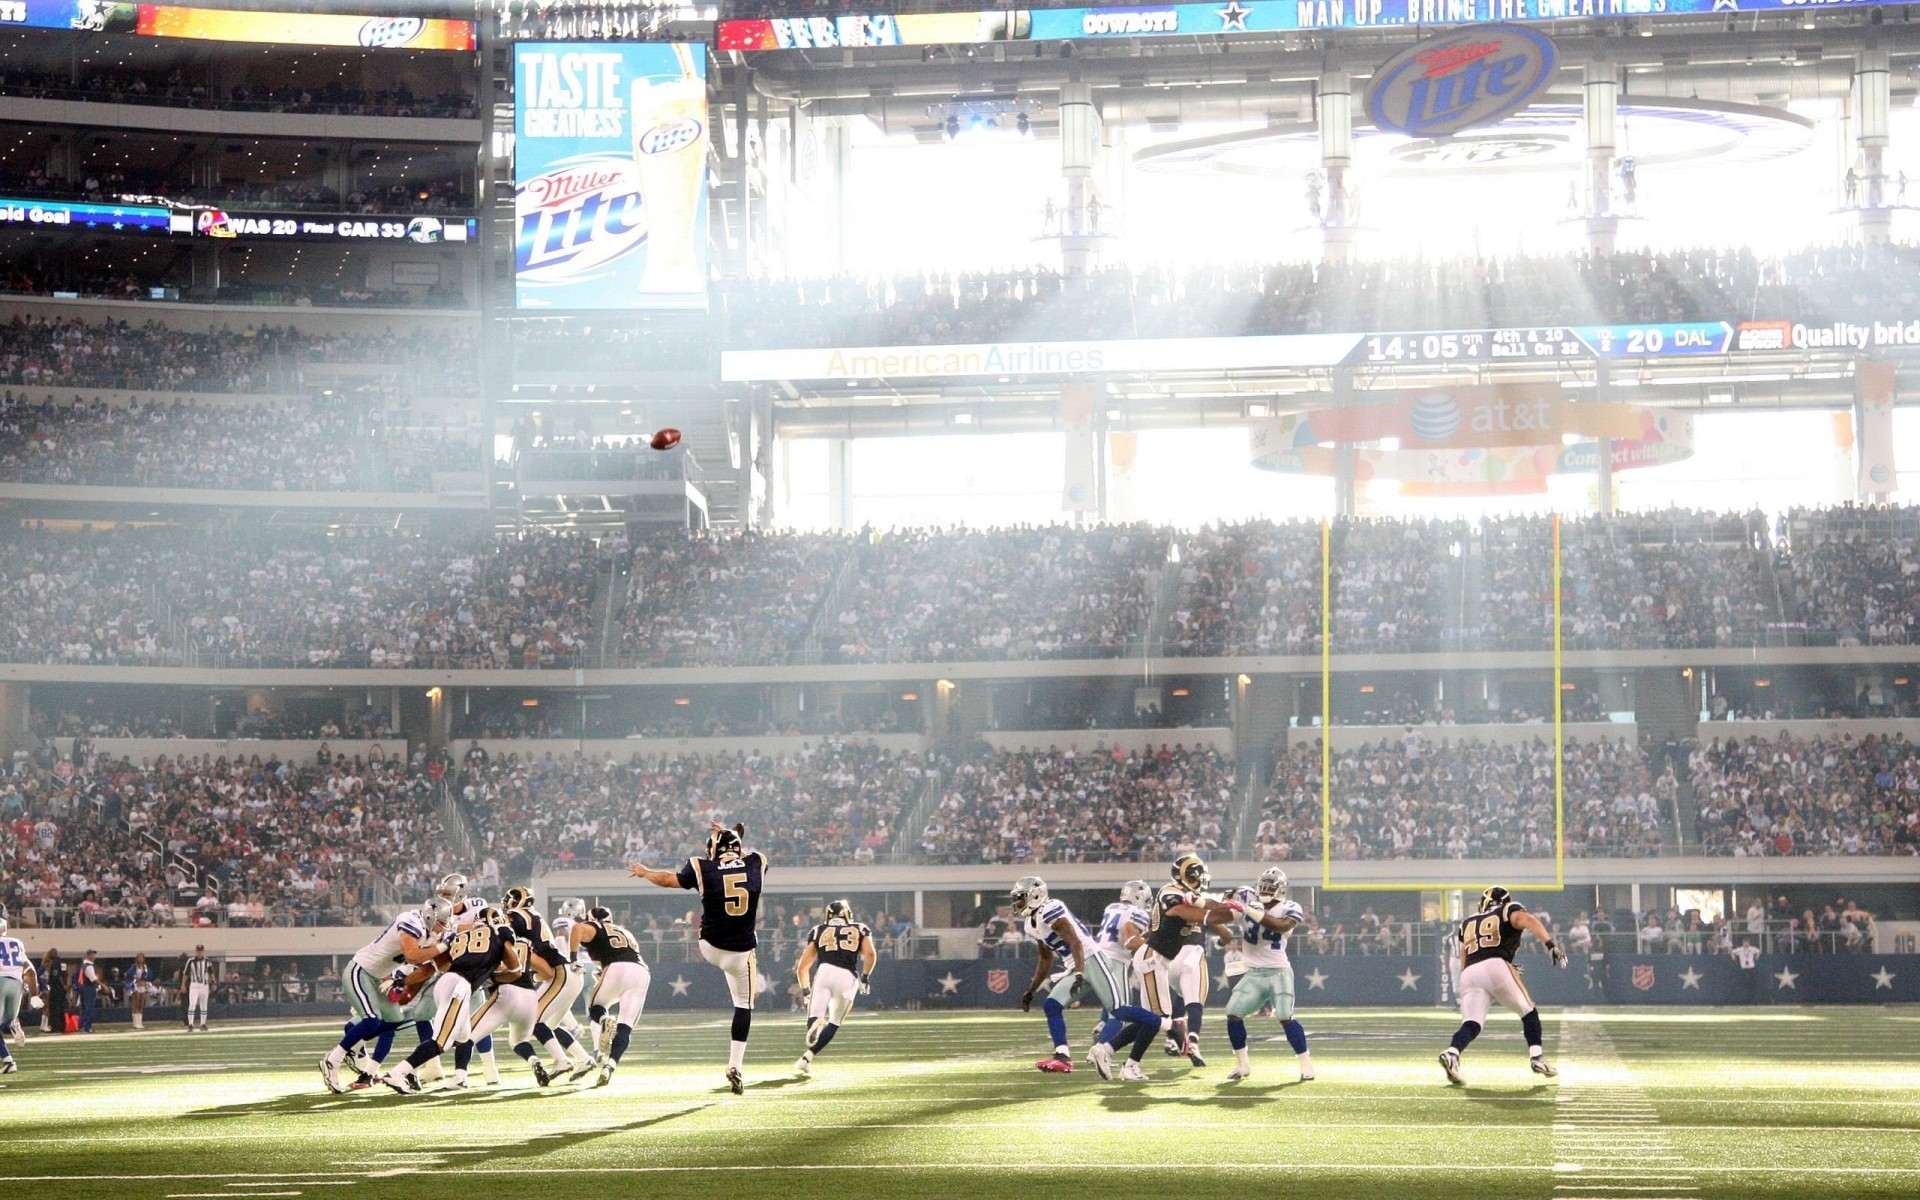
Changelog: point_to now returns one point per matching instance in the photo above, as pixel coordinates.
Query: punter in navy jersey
(728, 880)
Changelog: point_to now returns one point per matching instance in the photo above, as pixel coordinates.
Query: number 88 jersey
(1263, 947)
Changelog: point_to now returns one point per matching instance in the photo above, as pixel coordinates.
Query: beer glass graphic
(670, 162)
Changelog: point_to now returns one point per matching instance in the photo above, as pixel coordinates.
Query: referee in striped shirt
(197, 976)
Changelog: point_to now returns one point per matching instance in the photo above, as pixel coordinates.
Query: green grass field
(1651, 1103)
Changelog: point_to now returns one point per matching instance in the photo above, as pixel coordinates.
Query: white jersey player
(1093, 972)
(410, 939)
(1266, 977)
(18, 982)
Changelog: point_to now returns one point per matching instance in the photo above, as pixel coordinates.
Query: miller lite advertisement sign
(1472, 76)
(610, 176)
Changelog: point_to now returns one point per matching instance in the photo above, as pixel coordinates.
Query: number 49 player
(1488, 940)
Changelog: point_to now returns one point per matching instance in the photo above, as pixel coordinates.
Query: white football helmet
(572, 908)
(1137, 892)
(437, 912)
(1272, 885)
(453, 887)
(1028, 894)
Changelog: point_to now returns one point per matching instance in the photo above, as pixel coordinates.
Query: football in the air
(666, 439)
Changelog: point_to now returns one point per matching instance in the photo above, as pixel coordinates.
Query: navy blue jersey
(838, 942)
(1491, 934)
(531, 929)
(476, 950)
(729, 898)
(607, 943)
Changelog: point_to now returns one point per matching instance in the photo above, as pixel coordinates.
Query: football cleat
(406, 1083)
(1192, 1051)
(455, 1082)
(582, 1070)
(803, 1067)
(8, 1066)
(363, 1082)
(541, 1075)
(1541, 1066)
(606, 1075)
(1239, 1073)
(1306, 1079)
(1450, 1063)
(1130, 1072)
(1055, 1065)
(735, 1082)
(330, 1075)
(1102, 1057)
(609, 1025)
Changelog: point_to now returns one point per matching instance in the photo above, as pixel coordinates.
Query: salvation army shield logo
(1643, 977)
(1472, 76)
(997, 981)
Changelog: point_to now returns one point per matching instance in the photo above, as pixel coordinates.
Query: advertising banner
(101, 218)
(1186, 20)
(303, 29)
(1875, 443)
(1473, 76)
(610, 175)
(332, 227)
(235, 25)
(1081, 493)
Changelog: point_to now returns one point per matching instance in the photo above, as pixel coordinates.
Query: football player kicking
(1096, 973)
(471, 959)
(559, 982)
(1174, 958)
(620, 986)
(844, 951)
(1488, 940)
(1268, 977)
(411, 940)
(728, 880)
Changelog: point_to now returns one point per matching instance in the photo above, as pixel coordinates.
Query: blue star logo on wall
(679, 984)
(949, 984)
(1316, 981)
(1233, 18)
(1409, 981)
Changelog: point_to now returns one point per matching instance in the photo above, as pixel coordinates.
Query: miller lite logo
(577, 217)
(1643, 977)
(671, 136)
(997, 980)
(385, 33)
(1469, 77)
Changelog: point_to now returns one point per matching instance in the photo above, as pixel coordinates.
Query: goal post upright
(1327, 883)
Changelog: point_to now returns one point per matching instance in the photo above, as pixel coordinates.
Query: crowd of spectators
(837, 803)
(175, 89)
(1422, 796)
(1787, 796)
(1856, 574)
(148, 357)
(327, 442)
(742, 599)
(1101, 805)
(96, 841)
(1660, 580)
(1048, 591)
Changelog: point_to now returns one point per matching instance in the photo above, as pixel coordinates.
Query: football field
(1691, 1104)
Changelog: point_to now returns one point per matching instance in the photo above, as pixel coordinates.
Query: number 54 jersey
(1265, 947)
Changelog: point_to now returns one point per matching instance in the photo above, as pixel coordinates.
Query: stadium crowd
(175, 89)
(1427, 796)
(322, 443)
(1655, 580)
(1830, 795)
(95, 841)
(838, 802)
(1104, 805)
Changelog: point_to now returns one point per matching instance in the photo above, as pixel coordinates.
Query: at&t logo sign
(1469, 77)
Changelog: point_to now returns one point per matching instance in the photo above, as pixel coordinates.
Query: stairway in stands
(1665, 712)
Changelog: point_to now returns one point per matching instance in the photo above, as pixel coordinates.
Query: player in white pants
(1488, 940)
(835, 964)
(198, 974)
(620, 992)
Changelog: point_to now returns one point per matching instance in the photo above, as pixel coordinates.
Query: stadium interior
(1417, 446)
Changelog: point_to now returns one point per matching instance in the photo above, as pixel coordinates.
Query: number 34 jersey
(838, 943)
(729, 898)
(1263, 947)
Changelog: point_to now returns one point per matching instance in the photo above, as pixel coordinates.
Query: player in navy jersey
(1488, 940)
(836, 962)
(469, 960)
(728, 880)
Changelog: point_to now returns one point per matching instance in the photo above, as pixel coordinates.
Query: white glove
(866, 985)
(36, 1003)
